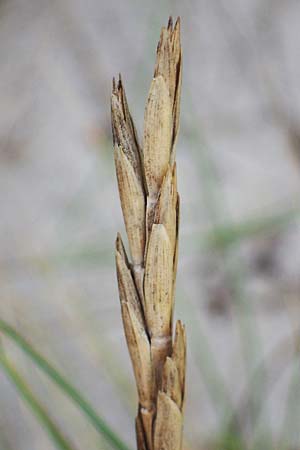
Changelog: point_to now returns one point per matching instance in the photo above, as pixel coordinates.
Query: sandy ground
(239, 171)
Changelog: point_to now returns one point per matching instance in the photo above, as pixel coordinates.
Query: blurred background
(238, 156)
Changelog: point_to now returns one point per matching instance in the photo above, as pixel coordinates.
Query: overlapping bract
(150, 204)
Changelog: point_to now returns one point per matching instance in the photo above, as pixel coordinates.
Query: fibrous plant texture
(150, 204)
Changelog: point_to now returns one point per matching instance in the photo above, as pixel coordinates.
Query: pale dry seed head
(150, 203)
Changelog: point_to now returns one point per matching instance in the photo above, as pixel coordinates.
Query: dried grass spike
(150, 204)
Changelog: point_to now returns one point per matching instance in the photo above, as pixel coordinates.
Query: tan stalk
(150, 204)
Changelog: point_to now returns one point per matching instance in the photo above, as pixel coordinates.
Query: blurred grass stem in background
(83, 405)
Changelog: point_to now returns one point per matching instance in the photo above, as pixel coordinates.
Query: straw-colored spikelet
(150, 204)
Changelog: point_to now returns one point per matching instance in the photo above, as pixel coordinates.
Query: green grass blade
(223, 236)
(205, 358)
(4, 444)
(38, 410)
(289, 435)
(99, 424)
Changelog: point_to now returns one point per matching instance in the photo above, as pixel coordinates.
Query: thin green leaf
(289, 433)
(38, 410)
(205, 359)
(4, 444)
(98, 423)
(223, 236)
